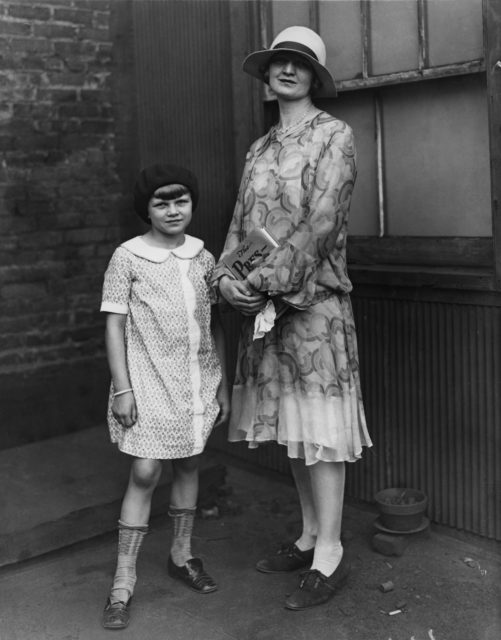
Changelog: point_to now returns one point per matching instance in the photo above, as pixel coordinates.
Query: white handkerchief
(264, 320)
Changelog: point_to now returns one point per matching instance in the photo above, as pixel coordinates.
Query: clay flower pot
(401, 509)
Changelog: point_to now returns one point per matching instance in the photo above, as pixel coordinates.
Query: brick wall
(63, 149)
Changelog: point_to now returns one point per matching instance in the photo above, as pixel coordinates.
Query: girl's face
(170, 210)
(291, 76)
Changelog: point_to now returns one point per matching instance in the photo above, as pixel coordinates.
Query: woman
(299, 385)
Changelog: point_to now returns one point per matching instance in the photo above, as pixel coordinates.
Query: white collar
(190, 248)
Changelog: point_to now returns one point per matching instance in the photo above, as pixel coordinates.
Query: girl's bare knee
(186, 465)
(145, 473)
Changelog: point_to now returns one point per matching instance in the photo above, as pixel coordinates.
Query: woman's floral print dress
(171, 356)
(299, 385)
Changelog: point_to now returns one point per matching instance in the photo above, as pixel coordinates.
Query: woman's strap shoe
(315, 588)
(288, 558)
(116, 614)
(192, 574)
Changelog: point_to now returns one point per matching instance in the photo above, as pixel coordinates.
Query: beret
(159, 175)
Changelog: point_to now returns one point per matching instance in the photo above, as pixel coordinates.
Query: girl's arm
(223, 396)
(124, 406)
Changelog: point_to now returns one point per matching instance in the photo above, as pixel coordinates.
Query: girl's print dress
(299, 385)
(171, 356)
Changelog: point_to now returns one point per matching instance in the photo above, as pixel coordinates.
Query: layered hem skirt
(300, 385)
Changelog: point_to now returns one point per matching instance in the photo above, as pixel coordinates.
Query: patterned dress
(171, 356)
(299, 385)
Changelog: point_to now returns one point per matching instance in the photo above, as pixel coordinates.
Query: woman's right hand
(241, 296)
(124, 410)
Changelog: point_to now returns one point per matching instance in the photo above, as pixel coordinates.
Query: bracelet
(120, 393)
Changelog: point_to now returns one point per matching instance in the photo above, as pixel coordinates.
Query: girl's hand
(124, 410)
(241, 296)
(223, 399)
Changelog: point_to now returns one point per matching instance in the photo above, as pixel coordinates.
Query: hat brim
(255, 64)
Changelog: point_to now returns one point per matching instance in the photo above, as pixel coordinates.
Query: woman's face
(170, 210)
(290, 76)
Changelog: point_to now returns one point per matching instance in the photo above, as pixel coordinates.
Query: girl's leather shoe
(288, 558)
(192, 574)
(315, 588)
(116, 615)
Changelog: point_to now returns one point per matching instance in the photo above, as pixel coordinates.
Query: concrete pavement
(445, 588)
(63, 490)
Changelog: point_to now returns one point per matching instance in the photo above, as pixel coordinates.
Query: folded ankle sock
(304, 545)
(183, 520)
(327, 560)
(130, 539)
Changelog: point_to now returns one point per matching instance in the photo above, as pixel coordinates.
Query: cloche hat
(160, 175)
(295, 40)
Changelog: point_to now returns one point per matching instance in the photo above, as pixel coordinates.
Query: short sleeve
(210, 264)
(117, 283)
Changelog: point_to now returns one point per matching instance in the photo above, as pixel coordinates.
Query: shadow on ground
(443, 588)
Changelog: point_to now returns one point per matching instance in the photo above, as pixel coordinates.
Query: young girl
(165, 350)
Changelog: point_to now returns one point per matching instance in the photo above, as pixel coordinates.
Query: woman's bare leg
(327, 484)
(302, 480)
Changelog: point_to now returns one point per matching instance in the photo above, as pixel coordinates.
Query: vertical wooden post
(492, 29)
(423, 61)
(365, 16)
(314, 15)
(266, 30)
(246, 92)
(380, 163)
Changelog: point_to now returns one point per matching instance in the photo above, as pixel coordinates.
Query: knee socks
(130, 539)
(183, 520)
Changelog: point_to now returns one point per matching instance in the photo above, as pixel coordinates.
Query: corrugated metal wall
(184, 96)
(184, 99)
(431, 374)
